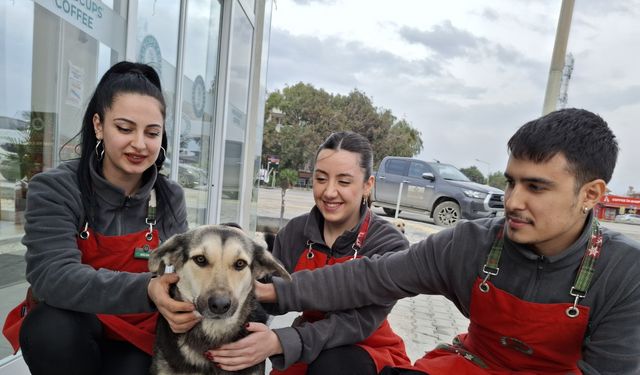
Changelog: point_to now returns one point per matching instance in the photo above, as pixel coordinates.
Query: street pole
(558, 57)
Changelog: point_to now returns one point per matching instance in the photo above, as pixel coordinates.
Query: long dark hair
(122, 78)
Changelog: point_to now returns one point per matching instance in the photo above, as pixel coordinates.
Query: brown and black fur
(207, 260)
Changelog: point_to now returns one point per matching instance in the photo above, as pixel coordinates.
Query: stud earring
(585, 210)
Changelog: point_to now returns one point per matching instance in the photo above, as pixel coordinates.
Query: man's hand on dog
(265, 293)
(181, 316)
(248, 351)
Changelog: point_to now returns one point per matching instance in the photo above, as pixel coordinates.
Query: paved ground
(423, 321)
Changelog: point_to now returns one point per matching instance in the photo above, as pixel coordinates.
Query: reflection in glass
(236, 112)
(157, 38)
(199, 82)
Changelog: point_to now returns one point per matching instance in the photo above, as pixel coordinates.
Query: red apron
(508, 335)
(117, 253)
(384, 346)
(114, 253)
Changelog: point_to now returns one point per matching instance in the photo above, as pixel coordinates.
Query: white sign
(75, 86)
(92, 17)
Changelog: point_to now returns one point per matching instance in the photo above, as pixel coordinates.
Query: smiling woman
(90, 225)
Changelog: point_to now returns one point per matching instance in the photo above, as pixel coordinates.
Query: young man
(546, 288)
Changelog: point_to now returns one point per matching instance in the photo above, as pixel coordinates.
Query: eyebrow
(535, 180)
(339, 175)
(134, 123)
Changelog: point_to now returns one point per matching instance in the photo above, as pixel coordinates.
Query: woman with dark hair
(90, 225)
(340, 227)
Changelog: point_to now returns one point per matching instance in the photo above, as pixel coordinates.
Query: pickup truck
(438, 189)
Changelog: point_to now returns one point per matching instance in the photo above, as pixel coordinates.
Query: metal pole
(398, 200)
(558, 57)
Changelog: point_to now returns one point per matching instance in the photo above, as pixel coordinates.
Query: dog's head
(217, 265)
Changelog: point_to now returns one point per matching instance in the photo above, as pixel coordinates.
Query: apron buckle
(573, 311)
(85, 232)
(490, 271)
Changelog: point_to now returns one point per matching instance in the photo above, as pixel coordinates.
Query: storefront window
(157, 39)
(236, 112)
(199, 84)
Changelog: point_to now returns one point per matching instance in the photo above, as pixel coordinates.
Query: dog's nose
(219, 304)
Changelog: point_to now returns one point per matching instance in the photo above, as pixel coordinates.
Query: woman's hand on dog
(181, 316)
(248, 351)
(265, 293)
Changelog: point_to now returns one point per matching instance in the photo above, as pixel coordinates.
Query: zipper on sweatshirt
(122, 213)
(539, 271)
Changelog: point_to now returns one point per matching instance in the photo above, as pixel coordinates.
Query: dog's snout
(219, 304)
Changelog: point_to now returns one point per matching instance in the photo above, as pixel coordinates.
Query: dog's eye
(200, 260)
(240, 264)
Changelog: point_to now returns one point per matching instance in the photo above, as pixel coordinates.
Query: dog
(217, 265)
(399, 224)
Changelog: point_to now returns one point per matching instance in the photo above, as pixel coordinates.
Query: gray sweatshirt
(55, 216)
(304, 343)
(448, 263)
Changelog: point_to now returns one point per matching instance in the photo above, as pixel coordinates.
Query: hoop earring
(99, 154)
(161, 158)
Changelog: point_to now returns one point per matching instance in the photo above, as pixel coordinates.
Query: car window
(396, 166)
(416, 169)
(449, 172)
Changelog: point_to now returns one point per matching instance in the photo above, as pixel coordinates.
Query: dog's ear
(173, 252)
(264, 263)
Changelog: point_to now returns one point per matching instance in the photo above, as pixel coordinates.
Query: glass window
(398, 167)
(199, 84)
(50, 63)
(236, 112)
(416, 169)
(157, 38)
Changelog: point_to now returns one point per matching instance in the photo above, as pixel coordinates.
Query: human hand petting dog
(261, 343)
(181, 316)
(265, 293)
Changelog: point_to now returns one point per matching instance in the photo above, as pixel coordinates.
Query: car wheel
(390, 211)
(446, 214)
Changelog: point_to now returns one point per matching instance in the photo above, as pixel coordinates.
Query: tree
(286, 179)
(474, 174)
(306, 116)
(497, 180)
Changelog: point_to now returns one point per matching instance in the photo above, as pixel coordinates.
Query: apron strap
(150, 219)
(587, 268)
(151, 214)
(362, 234)
(583, 277)
(490, 267)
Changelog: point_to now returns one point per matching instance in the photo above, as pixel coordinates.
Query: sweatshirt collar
(115, 195)
(315, 225)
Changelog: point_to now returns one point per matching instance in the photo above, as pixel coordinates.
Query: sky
(467, 74)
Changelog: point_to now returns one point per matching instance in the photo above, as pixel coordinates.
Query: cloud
(444, 39)
(334, 64)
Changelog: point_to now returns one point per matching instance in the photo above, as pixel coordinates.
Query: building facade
(211, 58)
(611, 206)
